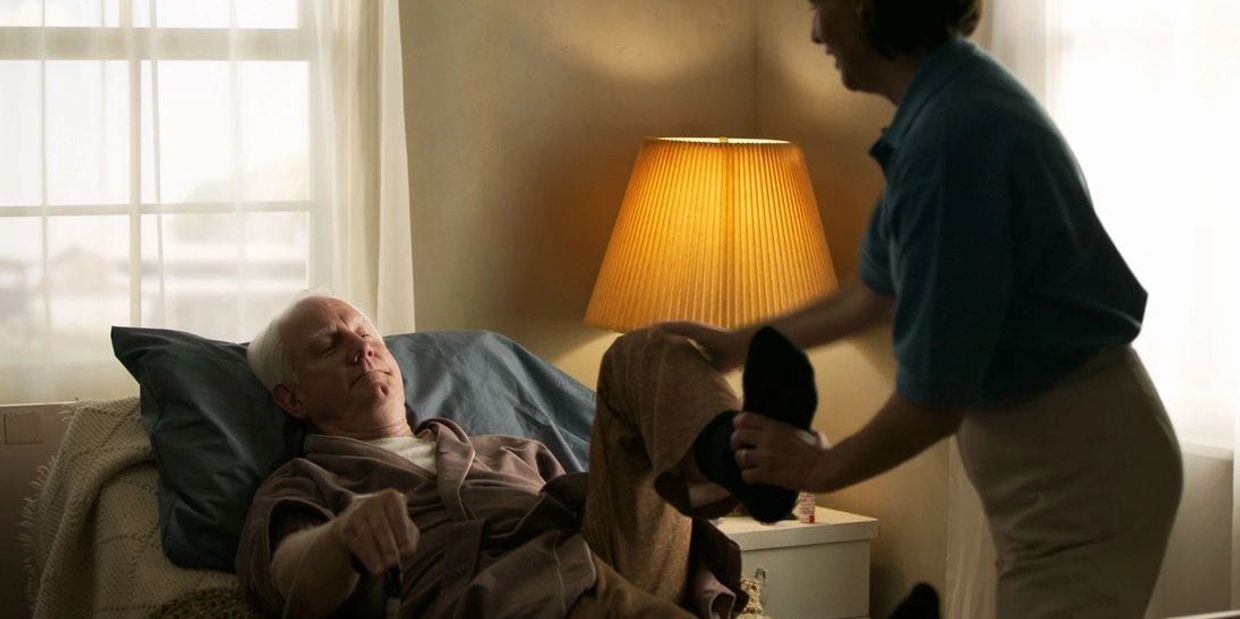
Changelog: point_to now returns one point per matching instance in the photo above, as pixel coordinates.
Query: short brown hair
(905, 26)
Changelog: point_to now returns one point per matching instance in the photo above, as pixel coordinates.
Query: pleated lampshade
(721, 231)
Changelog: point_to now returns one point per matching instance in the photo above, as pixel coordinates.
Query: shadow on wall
(539, 132)
(799, 97)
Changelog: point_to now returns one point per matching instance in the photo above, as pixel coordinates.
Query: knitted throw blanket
(91, 528)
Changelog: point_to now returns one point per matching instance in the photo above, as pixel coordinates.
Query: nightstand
(813, 571)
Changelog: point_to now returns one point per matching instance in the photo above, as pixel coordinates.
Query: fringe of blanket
(26, 519)
(25, 534)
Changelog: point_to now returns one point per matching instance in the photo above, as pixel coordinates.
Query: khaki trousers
(655, 394)
(1080, 486)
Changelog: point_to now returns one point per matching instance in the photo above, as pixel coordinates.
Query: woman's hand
(775, 453)
(724, 349)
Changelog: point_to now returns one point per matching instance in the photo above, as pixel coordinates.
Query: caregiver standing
(1011, 313)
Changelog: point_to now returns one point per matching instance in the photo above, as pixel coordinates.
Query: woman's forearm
(849, 310)
(899, 431)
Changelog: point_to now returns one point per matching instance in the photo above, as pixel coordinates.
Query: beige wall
(524, 119)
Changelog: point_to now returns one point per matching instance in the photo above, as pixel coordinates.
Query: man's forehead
(320, 316)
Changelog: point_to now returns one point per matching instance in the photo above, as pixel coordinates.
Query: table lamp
(718, 230)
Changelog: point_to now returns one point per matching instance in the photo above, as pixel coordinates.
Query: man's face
(839, 28)
(345, 379)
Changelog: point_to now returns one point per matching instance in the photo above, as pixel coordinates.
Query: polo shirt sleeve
(874, 267)
(951, 256)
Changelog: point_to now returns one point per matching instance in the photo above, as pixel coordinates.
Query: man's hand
(772, 452)
(724, 349)
(377, 530)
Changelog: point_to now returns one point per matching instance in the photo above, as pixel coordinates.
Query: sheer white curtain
(191, 164)
(1147, 94)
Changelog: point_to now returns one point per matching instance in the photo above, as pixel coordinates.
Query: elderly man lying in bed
(490, 526)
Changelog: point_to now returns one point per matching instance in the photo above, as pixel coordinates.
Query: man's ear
(289, 402)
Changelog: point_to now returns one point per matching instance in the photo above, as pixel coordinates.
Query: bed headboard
(30, 434)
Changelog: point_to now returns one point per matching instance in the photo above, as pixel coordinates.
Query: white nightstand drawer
(813, 571)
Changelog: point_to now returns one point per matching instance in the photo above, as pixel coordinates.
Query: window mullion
(44, 262)
(153, 54)
(73, 43)
(134, 64)
(83, 209)
(319, 220)
(238, 186)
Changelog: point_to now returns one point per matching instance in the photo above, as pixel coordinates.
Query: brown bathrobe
(505, 533)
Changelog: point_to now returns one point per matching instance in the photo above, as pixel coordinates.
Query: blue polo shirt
(1004, 279)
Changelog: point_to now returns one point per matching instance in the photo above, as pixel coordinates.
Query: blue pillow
(216, 433)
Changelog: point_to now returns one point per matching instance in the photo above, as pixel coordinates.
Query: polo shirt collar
(935, 72)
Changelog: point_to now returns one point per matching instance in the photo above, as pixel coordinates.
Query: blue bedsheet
(489, 384)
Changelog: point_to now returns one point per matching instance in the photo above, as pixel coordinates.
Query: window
(1146, 93)
(157, 168)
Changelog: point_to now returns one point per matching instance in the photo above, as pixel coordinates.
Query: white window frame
(134, 45)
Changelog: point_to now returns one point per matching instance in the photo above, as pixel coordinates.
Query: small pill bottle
(806, 501)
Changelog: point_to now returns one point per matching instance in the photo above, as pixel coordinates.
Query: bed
(138, 513)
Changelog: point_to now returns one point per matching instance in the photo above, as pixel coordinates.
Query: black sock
(779, 383)
(779, 380)
(921, 603)
(715, 459)
(713, 453)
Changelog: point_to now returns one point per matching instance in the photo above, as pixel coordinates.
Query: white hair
(267, 353)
